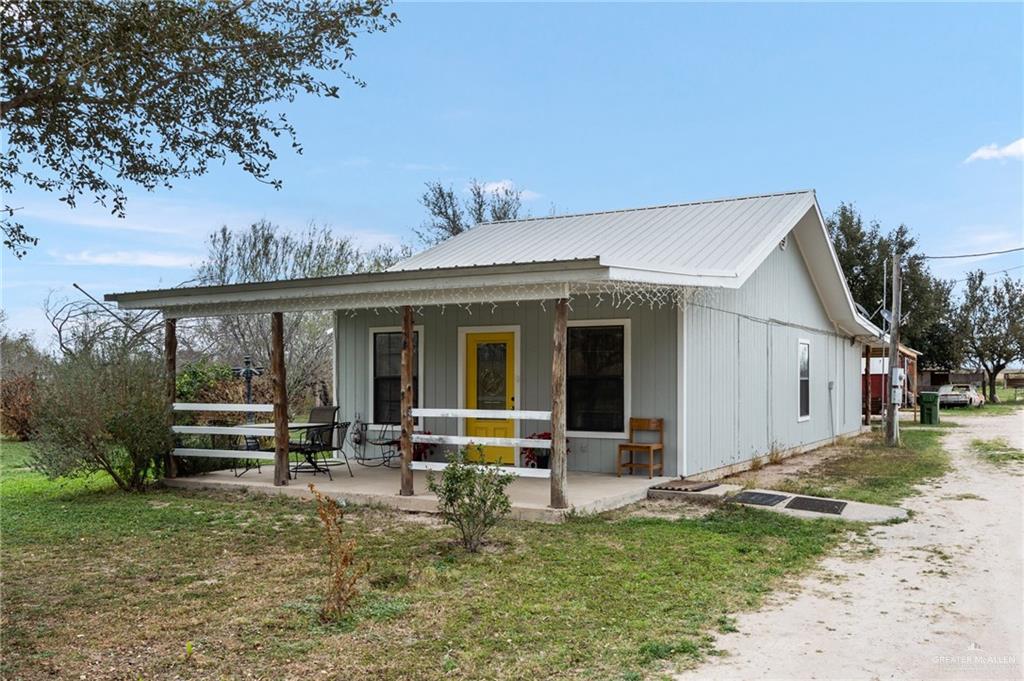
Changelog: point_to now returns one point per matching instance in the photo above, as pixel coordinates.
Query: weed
(344, 573)
(756, 464)
(775, 455)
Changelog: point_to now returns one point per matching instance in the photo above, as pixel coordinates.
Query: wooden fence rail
(467, 440)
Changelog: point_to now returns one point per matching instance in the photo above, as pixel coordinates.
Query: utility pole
(892, 429)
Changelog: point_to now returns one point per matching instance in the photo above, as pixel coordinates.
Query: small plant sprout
(188, 650)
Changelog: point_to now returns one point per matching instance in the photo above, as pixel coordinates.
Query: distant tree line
(982, 327)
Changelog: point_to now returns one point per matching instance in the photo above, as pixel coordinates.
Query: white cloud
(131, 258)
(991, 152)
(508, 185)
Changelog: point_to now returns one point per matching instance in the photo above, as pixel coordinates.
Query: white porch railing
(265, 431)
(466, 440)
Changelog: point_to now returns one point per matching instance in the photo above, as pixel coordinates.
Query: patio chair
(318, 441)
(387, 443)
(251, 443)
(649, 448)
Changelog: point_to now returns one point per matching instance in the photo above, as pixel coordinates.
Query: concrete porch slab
(588, 492)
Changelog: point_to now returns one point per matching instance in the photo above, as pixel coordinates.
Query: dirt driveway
(942, 598)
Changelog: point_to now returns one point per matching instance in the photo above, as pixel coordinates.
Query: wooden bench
(651, 449)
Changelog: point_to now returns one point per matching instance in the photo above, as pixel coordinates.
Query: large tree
(448, 215)
(863, 251)
(990, 323)
(98, 94)
(263, 252)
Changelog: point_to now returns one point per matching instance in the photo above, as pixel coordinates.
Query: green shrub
(471, 497)
(199, 377)
(104, 412)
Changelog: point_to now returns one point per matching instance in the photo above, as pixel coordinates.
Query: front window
(596, 378)
(387, 376)
(805, 379)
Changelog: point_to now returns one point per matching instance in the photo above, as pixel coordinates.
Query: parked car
(960, 395)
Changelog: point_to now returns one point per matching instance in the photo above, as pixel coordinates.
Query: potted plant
(421, 451)
(535, 457)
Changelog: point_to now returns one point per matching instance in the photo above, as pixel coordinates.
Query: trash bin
(929, 409)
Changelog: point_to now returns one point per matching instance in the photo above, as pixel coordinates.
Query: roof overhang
(448, 286)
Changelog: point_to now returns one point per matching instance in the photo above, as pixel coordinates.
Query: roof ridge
(642, 208)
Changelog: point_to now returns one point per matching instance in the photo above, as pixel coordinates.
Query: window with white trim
(595, 378)
(387, 375)
(804, 377)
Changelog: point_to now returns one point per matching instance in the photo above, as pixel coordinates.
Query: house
(729, 319)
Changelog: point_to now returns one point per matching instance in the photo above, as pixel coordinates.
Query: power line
(972, 255)
(1008, 269)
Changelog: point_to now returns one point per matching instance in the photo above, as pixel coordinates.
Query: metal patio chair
(387, 444)
(250, 443)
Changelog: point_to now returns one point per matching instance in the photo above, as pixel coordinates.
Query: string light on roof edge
(618, 294)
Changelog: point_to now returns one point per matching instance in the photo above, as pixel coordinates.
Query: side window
(804, 364)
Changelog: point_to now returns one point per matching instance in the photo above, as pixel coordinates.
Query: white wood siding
(742, 373)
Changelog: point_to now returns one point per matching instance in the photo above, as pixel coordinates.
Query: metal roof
(719, 238)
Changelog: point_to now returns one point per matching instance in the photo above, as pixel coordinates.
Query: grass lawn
(113, 585)
(202, 586)
(876, 474)
(997, 451)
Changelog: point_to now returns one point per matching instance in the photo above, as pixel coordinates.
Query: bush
(17, 405)
(21, 366)
(104, 412)
(471, 497)
(344, 573)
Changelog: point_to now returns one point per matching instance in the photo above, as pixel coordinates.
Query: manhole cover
(818, 505)
(758, 498)
(684, 486)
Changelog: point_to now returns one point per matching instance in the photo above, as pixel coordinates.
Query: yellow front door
(490, 384)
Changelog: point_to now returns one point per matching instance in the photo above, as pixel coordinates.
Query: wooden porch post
(559, 494)
(171, 369)
(867, 382)
(277, 372)
(406, 416)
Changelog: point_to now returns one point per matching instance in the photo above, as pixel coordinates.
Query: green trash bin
(929, 409)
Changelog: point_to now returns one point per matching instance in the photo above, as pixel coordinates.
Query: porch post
(171, 371)
(280, 399)
(559, 495)
(406, 416)
(867, 383)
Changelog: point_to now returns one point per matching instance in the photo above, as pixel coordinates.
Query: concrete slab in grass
(854, 511)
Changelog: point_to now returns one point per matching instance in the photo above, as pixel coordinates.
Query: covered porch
(405, 299)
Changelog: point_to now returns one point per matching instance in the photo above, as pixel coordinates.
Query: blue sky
(603, 106)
